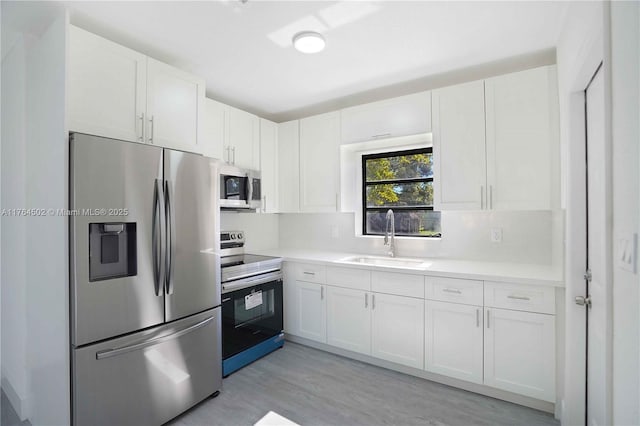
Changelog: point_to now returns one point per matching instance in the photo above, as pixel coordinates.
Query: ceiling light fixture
(309, 42)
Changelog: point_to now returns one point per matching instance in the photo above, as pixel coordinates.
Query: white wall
(579, 52)
(261, 230)
(13, 271)
(625, 111)
(527, 236)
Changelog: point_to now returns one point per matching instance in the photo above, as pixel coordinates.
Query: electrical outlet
(627, 252)
(496, 235)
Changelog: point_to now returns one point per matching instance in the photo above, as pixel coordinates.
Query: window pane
(417, 194)
(399, 167)
(424, 223)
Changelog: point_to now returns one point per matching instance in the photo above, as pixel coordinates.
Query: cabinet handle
(264, 204)
(490, 196)
(381, 135)
(477, 317)
(141, 118)
(366, 300)
(373, 301)
(481, 197)
(337, 202)
(452, 290)
(309, 273)
(519, 297)
(152, 121)
(321, 292)
(488, 321)
(233, 149)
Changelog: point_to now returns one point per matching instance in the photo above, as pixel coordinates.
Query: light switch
(496, 235)
(627, 252)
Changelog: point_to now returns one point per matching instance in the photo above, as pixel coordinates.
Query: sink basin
(389, 262)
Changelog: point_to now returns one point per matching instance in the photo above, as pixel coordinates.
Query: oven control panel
(233, 238)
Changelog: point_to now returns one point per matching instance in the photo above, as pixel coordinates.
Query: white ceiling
(245, 54)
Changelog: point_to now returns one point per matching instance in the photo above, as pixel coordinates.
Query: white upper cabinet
(320, 162)
(242, 147)
(515, 167)
(459, 147)
(289, 167)
(175, 106)
(269, 165)
(213, 129)
(401, 116)
(107, 87)
(119, 93)
(522, 139)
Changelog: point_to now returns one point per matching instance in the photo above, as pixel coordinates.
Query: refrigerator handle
(157, 242)
(140, 345)
(170, 238)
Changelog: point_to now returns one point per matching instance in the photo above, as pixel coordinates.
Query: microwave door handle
(170, 250)
(157, 240)
(249, 189)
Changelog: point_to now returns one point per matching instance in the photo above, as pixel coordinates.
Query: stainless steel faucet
(390, 224)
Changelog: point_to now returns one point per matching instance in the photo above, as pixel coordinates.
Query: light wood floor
(312, 387)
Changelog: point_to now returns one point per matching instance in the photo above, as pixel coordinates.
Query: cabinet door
(243, 139)
(269, 165)
(522, 139)
(519, 352)
(107, 87)
(453, 340)
(289, 167)
(459, 147)
(398, 329)
(349, 319)
(213, 129)
(401, 116)
(306, 312)
(175, 105)
(319, 162)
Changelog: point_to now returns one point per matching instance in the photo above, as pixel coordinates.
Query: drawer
(398, 284)
(520, 297)
(468, 292)
(309, 272)
(357, 279)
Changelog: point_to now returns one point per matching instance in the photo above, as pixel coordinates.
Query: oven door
(250, 316)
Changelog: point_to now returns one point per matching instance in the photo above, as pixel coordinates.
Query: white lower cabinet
(519, 352)
(453, 340)
(306, 310)
(349, 319)
(397, 329)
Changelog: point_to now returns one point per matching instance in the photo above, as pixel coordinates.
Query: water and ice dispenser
(112, 250)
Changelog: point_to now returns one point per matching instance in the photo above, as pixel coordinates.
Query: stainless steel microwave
(239, 188)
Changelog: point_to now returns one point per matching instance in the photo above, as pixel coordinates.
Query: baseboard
(526, 401)
(19, 404)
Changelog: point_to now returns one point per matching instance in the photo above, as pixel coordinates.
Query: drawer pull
(309, 273)
(519, 297)
(452, 290)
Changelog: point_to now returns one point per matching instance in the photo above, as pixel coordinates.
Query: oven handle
(251, 281)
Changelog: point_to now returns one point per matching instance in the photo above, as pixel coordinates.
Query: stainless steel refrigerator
(145, 282)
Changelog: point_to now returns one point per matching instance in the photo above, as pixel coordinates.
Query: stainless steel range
(252, 323)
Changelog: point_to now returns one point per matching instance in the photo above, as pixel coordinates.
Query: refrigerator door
(149, 377)
(193, 266)
(116, 194)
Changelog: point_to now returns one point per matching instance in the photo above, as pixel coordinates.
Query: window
(401, 181)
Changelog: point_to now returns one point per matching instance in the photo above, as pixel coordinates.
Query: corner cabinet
(269, 165)
(320, 163)
(289, 170)
(118, 93)
(496, 143)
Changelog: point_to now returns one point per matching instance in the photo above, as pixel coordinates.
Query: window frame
(365, 208)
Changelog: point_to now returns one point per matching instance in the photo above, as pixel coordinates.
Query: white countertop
(522, 273)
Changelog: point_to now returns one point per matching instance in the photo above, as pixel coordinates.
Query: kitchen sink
(389, 262)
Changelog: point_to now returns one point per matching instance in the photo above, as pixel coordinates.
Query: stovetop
(245, 265)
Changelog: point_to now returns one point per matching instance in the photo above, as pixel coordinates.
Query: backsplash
(527, 236)
(260, 230)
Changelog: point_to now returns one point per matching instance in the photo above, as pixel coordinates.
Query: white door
(289, 167)
(349, 319)
(175, 107)
(397, 325)
(213, 129)
(519, 352)
(269, 165)
(310, 311)
(598, 255)
(459, 147)
(320, 162)
(243, 139)
(107, 87)
(453, 340)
